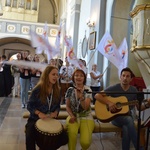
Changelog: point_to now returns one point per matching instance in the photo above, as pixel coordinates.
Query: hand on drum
(42, 115)
(53, 114)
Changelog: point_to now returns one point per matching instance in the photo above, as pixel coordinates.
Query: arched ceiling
(8, 40)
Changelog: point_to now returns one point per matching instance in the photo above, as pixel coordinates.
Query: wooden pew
(62, 115)
(99, 126)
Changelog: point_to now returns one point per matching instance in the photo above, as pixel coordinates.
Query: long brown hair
(43, 84)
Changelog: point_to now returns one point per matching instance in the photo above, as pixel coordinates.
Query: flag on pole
(45, 31)
(57, 42)
(108, 48)
(37, 41)
(123, 53)
(71, 55)
(41, 45)
(70, 52)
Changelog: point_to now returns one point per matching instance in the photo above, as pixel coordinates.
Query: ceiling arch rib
(55, 10)
(4, 41)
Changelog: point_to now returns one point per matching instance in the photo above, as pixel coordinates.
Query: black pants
(95, 89)
(30, 135)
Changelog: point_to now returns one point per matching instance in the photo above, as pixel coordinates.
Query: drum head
(49, 125)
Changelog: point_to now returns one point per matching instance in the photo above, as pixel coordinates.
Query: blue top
(36, 104)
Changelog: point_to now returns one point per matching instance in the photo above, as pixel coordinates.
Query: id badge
(26, 73)
(37, 74)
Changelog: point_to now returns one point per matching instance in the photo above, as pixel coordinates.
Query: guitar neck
(132, 102)
(129, 103)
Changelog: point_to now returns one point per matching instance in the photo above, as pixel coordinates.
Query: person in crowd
(52, 62)
(7, 77)
(59, 63)
(82, 63)
(25, 77)
(16, 74)
(66, 72)
(95, 81)
(30, 57)
(44, 102)
(126, 122)
(78, 106)
(35, 73)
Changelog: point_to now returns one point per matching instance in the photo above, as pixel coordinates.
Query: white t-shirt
(95, 82)
(66, 71)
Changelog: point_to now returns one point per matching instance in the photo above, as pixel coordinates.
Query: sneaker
(23, 105)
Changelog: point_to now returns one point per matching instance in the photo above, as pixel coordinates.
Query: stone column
(74, 22)
(141, 37)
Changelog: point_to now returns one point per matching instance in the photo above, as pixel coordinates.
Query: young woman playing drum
(78, 102)
(44, 103)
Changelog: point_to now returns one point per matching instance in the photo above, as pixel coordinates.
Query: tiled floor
(12, 135)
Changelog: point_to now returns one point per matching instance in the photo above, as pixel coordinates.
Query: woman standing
(16, 74)
(44, 103)
(24, 79)
(78, 107)
(95, 81)
(35, 73)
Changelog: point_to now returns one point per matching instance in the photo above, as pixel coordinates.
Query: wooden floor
(12, 135)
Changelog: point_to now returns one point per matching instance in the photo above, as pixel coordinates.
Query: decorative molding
(139, 8)
(23, 28)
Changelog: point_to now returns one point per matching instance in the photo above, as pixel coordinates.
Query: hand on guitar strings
(112, 107)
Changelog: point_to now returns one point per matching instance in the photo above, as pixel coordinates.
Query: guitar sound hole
(119, 105)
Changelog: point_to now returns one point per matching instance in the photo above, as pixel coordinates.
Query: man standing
(65, 79)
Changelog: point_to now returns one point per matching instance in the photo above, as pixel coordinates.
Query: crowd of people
(59, 84)
(25, 78)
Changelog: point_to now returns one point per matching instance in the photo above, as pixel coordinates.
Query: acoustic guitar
(105, 115)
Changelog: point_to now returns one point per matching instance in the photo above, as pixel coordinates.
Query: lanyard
(77, 101)
(49, 100)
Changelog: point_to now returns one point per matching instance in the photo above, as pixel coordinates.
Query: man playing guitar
(126, 122)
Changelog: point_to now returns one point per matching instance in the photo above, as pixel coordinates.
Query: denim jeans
(129, 132)
(25, 85)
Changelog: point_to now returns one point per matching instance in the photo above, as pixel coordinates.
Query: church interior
(23, 23)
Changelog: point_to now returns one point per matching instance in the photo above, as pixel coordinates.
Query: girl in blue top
(44, 102)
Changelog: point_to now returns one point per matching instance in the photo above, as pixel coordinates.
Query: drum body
(50, 134)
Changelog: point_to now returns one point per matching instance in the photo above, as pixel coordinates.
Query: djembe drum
(50, 134)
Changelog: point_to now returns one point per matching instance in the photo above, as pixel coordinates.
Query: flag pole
(106, 68)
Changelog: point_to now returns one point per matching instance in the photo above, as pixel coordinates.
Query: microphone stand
(140, 97)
